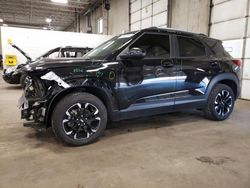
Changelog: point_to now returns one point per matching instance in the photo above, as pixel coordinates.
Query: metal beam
(50, 4)
(33, 12)
(27, 7)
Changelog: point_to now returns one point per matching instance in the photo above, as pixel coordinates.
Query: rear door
(194, 70)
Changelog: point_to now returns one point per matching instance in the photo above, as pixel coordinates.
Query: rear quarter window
(216, 47)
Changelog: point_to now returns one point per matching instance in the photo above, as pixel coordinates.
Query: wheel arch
(228, 79)
(105, 97)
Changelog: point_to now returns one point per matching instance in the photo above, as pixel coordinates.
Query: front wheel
(220, 103)
(79, 119)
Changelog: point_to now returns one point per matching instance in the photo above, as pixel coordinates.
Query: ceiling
(32, 13)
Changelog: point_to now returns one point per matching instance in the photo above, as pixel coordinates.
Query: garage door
(230, 22)
(147, 13)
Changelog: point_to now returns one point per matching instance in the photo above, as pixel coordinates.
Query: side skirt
(152, 108)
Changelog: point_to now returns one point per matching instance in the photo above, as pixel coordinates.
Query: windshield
(110, 47)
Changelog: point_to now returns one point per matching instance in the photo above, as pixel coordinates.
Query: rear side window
(189, 47)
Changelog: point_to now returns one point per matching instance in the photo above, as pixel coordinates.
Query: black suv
(151, 71)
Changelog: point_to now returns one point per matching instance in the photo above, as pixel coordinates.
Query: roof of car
(170, 30)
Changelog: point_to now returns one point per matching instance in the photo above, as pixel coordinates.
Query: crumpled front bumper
(33, 111)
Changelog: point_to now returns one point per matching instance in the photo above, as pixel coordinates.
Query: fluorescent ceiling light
(5, 25)
(48, 20)
(45, 28)
(60, 1)
(1, 20)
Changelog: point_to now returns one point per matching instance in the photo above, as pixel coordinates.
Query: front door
(148, 82)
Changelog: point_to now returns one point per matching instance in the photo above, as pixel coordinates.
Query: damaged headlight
(34, 88)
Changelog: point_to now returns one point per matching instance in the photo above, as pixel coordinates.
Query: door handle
(167, 63)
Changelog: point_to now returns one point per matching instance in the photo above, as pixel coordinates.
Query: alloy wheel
(223, 103)
(81, 120)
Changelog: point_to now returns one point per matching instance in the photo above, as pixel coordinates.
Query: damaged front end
(48, 82)
(36, 98)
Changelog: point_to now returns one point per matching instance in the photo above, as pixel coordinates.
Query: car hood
(58, 63)
(22, 52)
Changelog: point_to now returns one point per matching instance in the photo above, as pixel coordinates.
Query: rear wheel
(220, 103)
(79, 118)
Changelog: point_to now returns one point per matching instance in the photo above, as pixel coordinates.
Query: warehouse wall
(147, 13)
(95, 15)
(190, 15)
(230, 23)
(116, 20)
(36, 42)
(118, 17)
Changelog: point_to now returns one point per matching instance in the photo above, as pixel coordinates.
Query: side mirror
(133, 53)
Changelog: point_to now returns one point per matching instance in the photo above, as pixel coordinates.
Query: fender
(103, 94)
(220, 77)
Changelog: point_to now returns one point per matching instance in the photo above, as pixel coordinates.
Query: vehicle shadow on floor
(12, 87)
(125, 127)
(153, 122)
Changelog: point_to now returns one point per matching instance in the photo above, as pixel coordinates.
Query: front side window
(154, 45)
(189, 47)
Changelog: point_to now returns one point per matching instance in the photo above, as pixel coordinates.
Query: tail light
(237, 62)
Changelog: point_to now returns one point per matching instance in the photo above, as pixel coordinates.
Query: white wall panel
(232, 29)
(219, 1)
(160, 19)
(229, 10)
(160, 6)
(246, 70)
(146, 12)
(36, 42)
(247, 49)
(229, 22)
(245, 91)
(146, 23)
(135, 26)
(145, 3)
(236, 47)
(136, 16)
(135, 6)
(248, 28)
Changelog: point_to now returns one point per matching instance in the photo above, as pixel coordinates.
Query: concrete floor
(174, 150)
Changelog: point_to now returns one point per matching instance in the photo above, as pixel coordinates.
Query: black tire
(22, 80)
(69, 107)
(220, 103)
